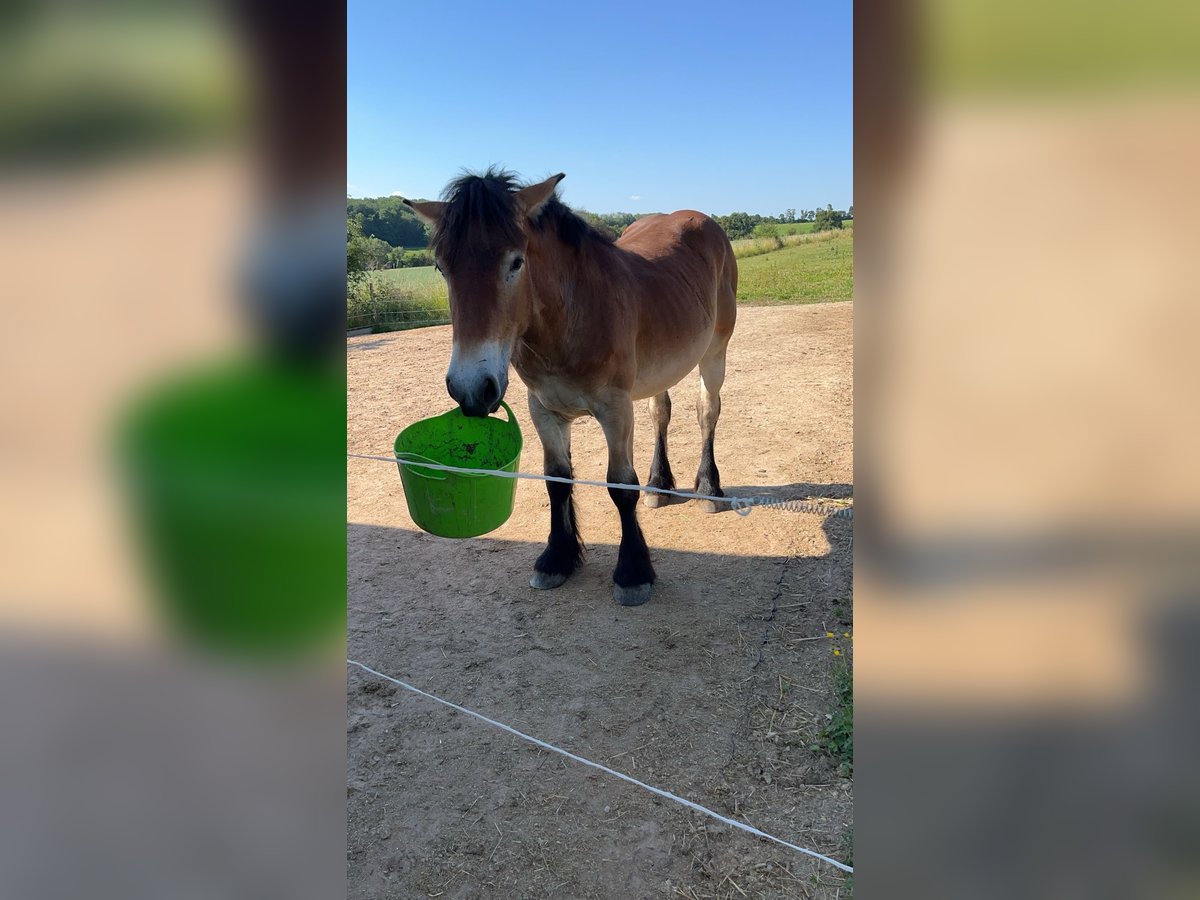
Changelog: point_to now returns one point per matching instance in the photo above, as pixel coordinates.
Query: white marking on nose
(470, 369)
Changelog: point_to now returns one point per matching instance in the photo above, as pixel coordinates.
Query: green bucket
(454, 504)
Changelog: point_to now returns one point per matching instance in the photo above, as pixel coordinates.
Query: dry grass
(403, 298)
(757, 246)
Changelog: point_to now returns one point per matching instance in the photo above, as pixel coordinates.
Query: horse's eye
(517, 263)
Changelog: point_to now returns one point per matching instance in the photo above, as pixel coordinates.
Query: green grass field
(403, 298)
(798, 227)
(812, 272)
(414, 277)
(808, 268)
(793, 228)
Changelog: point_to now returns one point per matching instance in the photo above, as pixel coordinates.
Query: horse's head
(480, 237)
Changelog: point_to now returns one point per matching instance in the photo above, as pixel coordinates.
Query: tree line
(743, 225)
(383, 233)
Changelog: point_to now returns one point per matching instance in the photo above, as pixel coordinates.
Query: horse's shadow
(727, 628)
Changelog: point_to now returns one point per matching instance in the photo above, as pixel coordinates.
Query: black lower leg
(633, 558)
(708, 479)
(564, 549)
(661, 475)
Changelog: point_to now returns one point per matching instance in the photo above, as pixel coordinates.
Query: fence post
(371, 291)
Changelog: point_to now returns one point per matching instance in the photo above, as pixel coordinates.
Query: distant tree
(356, 253)
(827, 219)
(850, 212)
(738, 224)
(619, 221)
(389, 220)
(417, 258)
(376, 252)
(615, 223)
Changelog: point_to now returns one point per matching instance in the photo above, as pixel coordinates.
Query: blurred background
(173, 414)
(1029, 499)
(172, 194)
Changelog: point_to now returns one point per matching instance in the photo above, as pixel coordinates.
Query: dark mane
(558, 218)
(480, 209)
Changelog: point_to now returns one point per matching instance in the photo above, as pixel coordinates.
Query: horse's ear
(428, 211)
(533, 197)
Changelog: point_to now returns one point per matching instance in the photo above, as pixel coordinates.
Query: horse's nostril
(491, 391)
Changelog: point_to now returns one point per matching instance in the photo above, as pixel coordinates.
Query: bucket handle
(508, 409)
(435, 474)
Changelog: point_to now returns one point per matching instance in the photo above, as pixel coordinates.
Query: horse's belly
(658, 372)
(559, 396)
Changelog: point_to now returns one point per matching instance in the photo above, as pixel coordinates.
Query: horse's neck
(560, 282)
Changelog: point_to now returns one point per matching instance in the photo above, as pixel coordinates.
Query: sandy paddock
(710, 690)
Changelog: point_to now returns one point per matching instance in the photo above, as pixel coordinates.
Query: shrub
(738, 224)
(827, 219)
(356, 255)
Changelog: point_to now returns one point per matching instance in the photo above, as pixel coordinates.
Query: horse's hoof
(545, 581)
(654, 501)
(711, 506)
(632, 596)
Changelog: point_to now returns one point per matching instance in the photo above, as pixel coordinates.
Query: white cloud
(399, 194)
(635, 196)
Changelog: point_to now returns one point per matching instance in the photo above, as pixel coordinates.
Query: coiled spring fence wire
(741, 505)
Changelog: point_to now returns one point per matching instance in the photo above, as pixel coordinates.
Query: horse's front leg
(634, 575)
(564, 549)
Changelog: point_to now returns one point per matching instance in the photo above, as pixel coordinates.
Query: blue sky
(647, 106)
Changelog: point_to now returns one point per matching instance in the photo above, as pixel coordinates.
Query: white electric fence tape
(741, 505)
(587, 762)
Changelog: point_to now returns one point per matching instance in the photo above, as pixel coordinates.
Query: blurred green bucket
(235, 476)
(453, 504)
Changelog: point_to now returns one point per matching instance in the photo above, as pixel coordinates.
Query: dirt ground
(713, 690)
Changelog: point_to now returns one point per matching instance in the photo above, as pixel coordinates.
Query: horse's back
(691, 246)
(686, 278)
(665, 233)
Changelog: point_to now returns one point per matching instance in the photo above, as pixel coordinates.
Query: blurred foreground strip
(141, 775)
(1027, 600)
(159, 739)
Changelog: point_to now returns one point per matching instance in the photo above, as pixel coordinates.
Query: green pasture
(816, 271)
(794, 268)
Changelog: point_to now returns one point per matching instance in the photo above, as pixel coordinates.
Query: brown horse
(591, 325)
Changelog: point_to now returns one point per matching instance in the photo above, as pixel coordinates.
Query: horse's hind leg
(712, 377)
(660, 469)
(564, 549)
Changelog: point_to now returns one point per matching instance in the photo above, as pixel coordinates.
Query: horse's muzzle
(479, 399)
